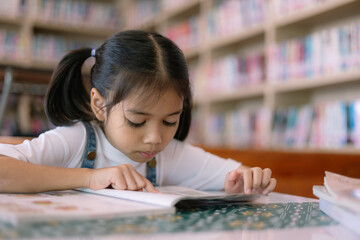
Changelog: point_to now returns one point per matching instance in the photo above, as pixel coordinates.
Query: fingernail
(248, 191)
(265, 192)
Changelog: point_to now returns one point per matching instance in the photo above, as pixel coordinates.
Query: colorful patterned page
(247, 216)
(68, 205)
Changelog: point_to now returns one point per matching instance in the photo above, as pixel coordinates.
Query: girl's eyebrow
(134, 111)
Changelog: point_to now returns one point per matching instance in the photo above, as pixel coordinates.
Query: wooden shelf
(320, 13)
(22, 75)
(13, 63)
(166, 15)
(11, 20)
(35, 65)
(245, 34)
(192, 52)
(321, 81)
(79, 30)
(246, 92)
(40, 65)
(180, 10)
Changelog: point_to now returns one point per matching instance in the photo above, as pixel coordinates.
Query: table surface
(277, 216)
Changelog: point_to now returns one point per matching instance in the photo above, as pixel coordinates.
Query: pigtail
(66, 99)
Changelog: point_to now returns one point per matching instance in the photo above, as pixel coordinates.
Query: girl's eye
(169, 123)
(133, 124)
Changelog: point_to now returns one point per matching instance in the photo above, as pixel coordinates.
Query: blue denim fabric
(90, 146)
(151, 174)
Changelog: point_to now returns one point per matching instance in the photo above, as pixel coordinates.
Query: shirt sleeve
(187, 165)
(62, 147)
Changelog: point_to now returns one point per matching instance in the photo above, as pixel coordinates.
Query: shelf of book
(223, 45)
(161, 14)
(225, 69)
(35, 34)
(24, 19)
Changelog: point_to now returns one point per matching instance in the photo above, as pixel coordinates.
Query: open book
(18, 209)
(176, 196)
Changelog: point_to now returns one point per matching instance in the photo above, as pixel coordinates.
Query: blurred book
(340, 199)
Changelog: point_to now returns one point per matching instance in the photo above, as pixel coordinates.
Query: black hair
(129, 60)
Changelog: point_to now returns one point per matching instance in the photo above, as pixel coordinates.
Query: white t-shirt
(178, 164)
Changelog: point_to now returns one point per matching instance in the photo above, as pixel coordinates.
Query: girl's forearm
(18, 176)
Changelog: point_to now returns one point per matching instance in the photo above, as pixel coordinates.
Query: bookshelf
(89, 21)
(34, 35)
(269, 29)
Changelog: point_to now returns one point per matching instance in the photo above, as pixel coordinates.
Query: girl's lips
(148, 154)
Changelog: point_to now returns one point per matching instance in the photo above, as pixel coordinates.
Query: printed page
(69, 205)
(159, 199)
(343, 189)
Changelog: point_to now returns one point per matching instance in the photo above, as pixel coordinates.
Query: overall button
(152, 163)
(91, 155)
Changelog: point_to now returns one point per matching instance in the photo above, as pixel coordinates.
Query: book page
(69, 205)
(157, 199)
(343, 189)
(182, 191)
(169, 196)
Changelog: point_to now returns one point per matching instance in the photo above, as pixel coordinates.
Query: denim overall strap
(88, 159)
(151, 171)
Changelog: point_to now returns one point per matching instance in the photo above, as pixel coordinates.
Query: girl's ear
(97, 104)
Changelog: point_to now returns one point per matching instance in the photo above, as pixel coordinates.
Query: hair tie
(93, 52)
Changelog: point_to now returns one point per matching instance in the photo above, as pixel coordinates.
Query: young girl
(123, 127)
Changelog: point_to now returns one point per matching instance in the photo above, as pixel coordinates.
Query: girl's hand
(249, 180)
(121, 177)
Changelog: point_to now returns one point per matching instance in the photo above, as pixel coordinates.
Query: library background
(275, 82)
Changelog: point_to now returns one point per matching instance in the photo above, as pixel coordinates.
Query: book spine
(185, 33)
(284, 8)
(11, 9)
(147, 9)
(51, 48)
(231, 17)
(78, 13)
(12, 44)
(24, 115)
(329, 51)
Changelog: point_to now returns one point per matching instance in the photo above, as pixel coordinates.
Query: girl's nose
(153, 136)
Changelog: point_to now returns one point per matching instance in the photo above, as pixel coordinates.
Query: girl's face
(141, 129)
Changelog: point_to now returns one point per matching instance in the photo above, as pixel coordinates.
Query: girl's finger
(149, 187)
(129, 178)
(266, 177)
(120, 182)
(248, 181)
(270, 187)
(257, 177)
(231, 180)
(139, 179)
